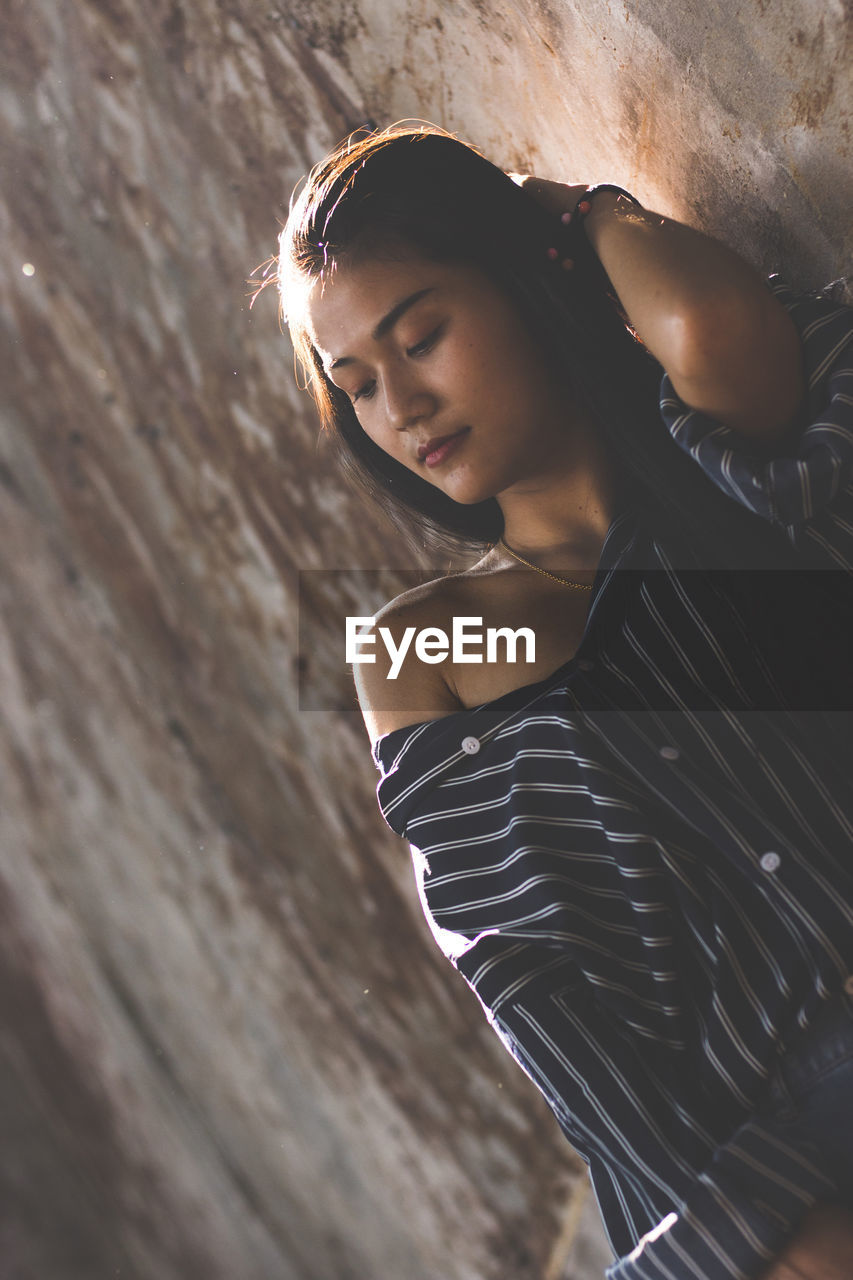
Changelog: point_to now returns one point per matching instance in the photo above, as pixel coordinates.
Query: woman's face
(441, 372)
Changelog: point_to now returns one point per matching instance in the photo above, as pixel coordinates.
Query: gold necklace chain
(566, 582)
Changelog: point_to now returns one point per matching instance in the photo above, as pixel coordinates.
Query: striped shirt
(643, 864)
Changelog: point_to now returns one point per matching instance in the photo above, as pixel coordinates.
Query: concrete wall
(229, 1048)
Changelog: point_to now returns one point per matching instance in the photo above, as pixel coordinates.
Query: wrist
(821, 1248)
(606, 206)
(603, 206)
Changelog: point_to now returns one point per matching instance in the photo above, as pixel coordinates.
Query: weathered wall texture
(228, 1048)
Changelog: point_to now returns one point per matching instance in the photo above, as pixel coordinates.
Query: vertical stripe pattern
(644, 868)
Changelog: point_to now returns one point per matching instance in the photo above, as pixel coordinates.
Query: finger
(556, 197)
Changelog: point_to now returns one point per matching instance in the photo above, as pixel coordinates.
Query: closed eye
(419, 349)
(365, 392)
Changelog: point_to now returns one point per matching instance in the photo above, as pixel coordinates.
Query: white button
(848, 986)
(669, 753)
(584, 664)
(471, 745)
(770, 861)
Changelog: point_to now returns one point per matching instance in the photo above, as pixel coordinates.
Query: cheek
(380, 438)
(388, 440)
(474, 366)
(497, 354)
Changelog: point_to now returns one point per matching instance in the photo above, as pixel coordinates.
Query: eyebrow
(386, 324)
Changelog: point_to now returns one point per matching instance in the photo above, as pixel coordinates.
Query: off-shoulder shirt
(643, 864)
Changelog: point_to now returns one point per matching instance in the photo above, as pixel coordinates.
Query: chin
(469, 492)
(468, 499)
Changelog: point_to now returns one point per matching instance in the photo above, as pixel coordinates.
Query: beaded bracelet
(584, 205)
(582, 208)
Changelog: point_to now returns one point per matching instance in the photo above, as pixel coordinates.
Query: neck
(560, 520)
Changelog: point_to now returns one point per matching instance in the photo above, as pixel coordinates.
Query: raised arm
(729, 347)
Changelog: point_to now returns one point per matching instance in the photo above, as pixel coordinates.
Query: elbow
(703, 341)
(740, 361)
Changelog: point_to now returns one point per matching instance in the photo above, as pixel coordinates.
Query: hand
(555, 197)
(729, 346)
(821, 1248)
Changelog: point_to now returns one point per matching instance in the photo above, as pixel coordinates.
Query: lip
(440, 447)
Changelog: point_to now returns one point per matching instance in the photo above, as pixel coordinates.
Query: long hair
(425, 190)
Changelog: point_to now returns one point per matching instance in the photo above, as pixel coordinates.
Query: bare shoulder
(396, 686)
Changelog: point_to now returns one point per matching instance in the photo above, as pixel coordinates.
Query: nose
(407, 399)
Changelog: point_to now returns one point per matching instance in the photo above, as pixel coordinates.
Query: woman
(636, 847)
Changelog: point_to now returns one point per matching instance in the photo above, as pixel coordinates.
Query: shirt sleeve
(644, 1139)
(808, 491)
(738, 1216)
